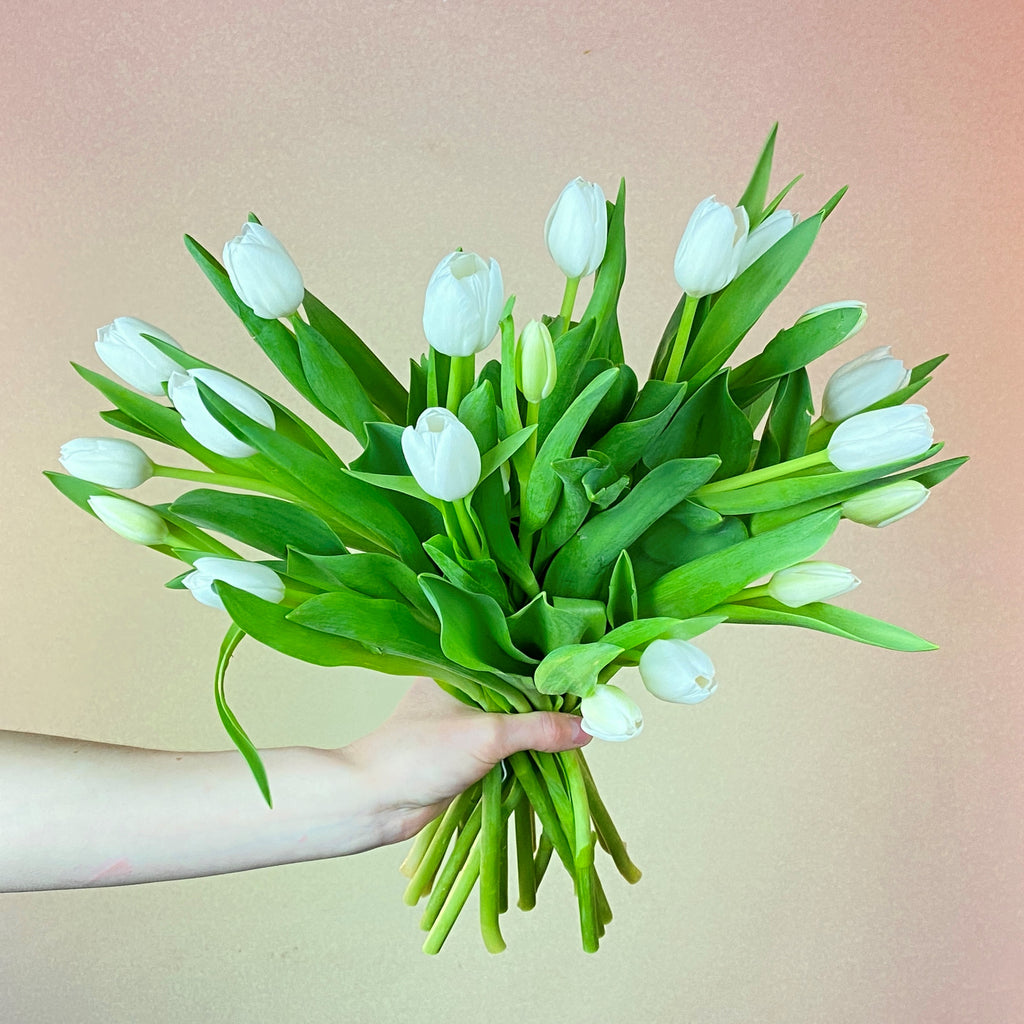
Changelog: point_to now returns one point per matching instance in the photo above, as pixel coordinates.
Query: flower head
(677, 671)
(610, 714)
(536, 368)
(861, 382)
(135, 360)
(130, 519)
(709, 252)
(262, 273)
(442, 454)
(110, 461)
(880, 436)
(462, 305)
(805, 582)
(258, 580)
(200, 422)
(764, 236)
(884, 505)
(576, 230)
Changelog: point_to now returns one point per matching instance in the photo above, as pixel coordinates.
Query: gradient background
(837, 835)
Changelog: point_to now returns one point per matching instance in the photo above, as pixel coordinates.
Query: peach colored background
(837, 835)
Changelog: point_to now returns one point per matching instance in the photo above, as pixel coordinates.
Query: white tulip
(764, 236)
(110, 461)
(610, 714)
(442, 454)
(884, 505)
(262, 273)
(677, 671)
(536, 368)
(862, 382)
(136, 361)
(463, 303)
(710, 249)
(805, 582)
(576, 231)
(844, 304)
(875, 438)
(129, 519)
(258, 580)
(199, 421)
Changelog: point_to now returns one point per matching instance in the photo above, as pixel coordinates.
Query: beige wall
(836, 836)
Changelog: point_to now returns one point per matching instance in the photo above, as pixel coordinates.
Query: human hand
(433, 747)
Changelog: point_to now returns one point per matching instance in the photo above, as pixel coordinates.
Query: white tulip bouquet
(521, 530)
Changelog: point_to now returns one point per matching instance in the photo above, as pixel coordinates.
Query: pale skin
(75, 814)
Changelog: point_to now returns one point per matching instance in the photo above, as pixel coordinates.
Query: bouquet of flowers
(521, 530)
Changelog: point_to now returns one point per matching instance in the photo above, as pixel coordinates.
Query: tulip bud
(862, 382)
(536, 369)
(610, 714)
(463, 303)
(805, 582)
(764, 236)
(846, 304)
(110, 461)
(199, 421)
(258, 580)
(262, 273)
(677, 671)
(135, 522)
(875, 438)
(442, 454)
(576, 231)
(884, 505)
(709, 251)
(136, 361)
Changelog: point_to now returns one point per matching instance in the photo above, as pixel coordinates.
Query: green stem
(748, 594)
(419, 847)
(607, 833)
(682, 338)
(583, 850)
(456, 900)
(524, 466)
(572, 285)
(760, 476)
(540, 799)
(469, 533)
(490, 861)
(243, 483)
(524, 856)
(427, 867)
(464, 843)
(543, 858)
(460, 380)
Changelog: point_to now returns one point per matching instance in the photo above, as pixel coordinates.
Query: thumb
(550, 731)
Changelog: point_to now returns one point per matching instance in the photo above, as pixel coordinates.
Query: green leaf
(640, 632)
(538, 502)
(491, 510)
(832, 203)
(366, 572)
(334, 383)
(340, 494)
(929, 476)
(573, 504)
(793, 490)
(785, 435)
(231, 724)
(827, 618)
(122, 421)
(478, 575)
(774, 204)
(543, 626)
(655, 405)
(572, 353)
(741, 303)
(474, 633)
(603, 304)
(680, 537)
(791, 349)
(756, 191)
(581, 567)
(504, 451)
(705, 582)
(377, 380)
(924, 369)
(622, 592)
(574, 668)
(614, 407)
(268, 624)
(264, 523)
(708, 424)
(381, 625)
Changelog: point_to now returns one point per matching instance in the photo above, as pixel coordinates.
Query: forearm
(76, 814)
